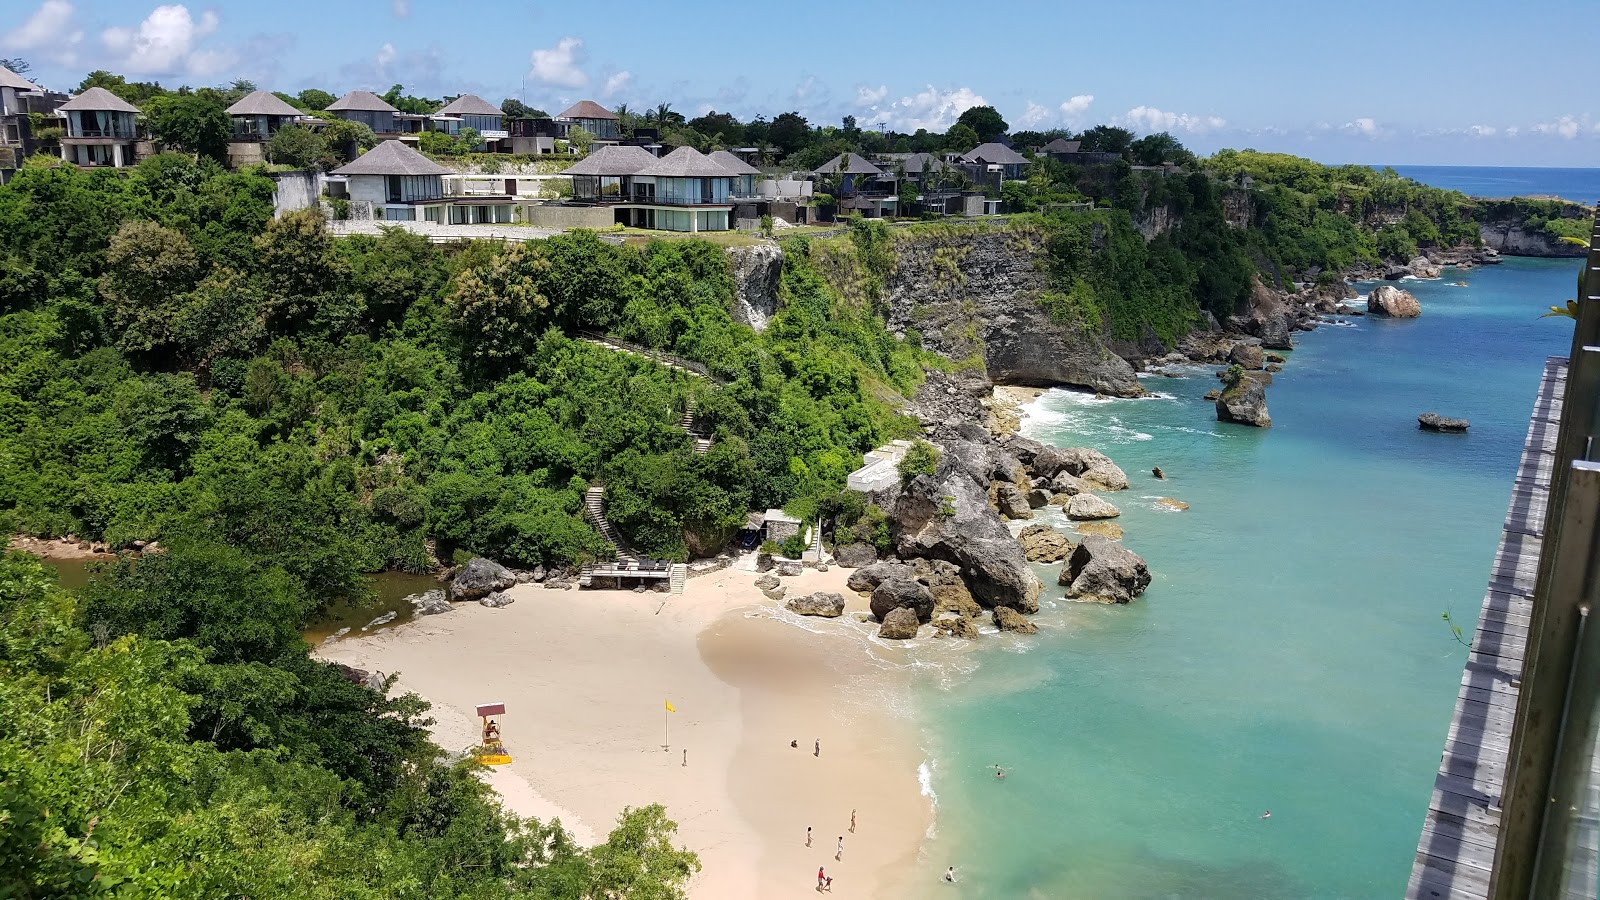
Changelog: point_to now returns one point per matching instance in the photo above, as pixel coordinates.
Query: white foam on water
(925, 784)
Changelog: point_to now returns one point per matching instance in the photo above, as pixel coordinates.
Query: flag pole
(665, 746)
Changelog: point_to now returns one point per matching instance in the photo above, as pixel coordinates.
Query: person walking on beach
(852, 821)
(818, 750)
(950, 875)
(839, 854)
(821, 877)
(808, 835)
(828, 884)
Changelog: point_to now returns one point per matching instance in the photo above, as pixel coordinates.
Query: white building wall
(370, 188)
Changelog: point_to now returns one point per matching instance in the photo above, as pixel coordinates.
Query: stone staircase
(594, 503)
(687, 423)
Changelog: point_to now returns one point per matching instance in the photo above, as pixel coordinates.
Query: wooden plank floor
(1456, 851)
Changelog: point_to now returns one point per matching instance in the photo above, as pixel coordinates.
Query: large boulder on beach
(1012, 503)
(899, 625)
(767, 582)
(497, 600)
(1388, 300)
(1106, 476)
(479, 578)
(429, 603)
(823, 603)
(1245, 402)
(1068, 484)
(1024, 449)
(1074, 460)
(1043, 544)
(788, 568)
(957, 626)
(901, 592)
(1010, 620)
(1436, 422)
(864, 579)
(947, 516)
(854, 556)
(943, 580)
(1103, 571)
(1089, 506)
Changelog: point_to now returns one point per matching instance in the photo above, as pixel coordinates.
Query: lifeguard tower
(494, 749)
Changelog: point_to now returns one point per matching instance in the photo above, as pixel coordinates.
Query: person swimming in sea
(999, 772)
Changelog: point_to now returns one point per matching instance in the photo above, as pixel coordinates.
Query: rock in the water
(1069, 484)
(1213, 394)
(1038, 498)
(384, 619)
(1073, 460)
(957, 626)
(429, 603)
(1388, 300)
(1104, 571)
(854, 556)
(1007, 619)
(497, 600)
(336, 635)
(479, 578)
(1103, 528)
(1169, 503)
(1274, 367)
(788, 567)
(822, 603)
(1422, 267)
(1436, 422)
(947, 516)
(1012, 503)
(1089, 506)
(1249, 356)
(1043, 544)
(943, 580)
(1244, 402)
(1106, 476)
(902, 593)
(1160, 475)
(767, 582)
(899, 625)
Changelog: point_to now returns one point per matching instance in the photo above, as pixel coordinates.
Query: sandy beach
(586, 675)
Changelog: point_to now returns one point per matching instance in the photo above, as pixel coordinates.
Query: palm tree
(625, 117)
(662, 111)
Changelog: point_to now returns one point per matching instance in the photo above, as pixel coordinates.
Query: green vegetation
(922, 458)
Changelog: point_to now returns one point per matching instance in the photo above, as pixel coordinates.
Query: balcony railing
(126, 134)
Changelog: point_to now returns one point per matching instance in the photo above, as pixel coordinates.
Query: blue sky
(1464, 82)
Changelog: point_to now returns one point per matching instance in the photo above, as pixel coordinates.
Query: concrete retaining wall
(546, 215)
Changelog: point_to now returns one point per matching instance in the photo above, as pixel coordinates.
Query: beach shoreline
(586, 676)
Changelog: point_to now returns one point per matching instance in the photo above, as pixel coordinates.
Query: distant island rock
(1436, 422)
(1388, 300)
(1244, 402)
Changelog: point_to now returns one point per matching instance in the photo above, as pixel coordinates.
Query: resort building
(102, 130)
(375, 112)
(478, 114)
(395, 183)
(14, 125)
(256, 118)
(996, 157)
(744, 174)
(593, 118)
(682, 191)
(861, 187)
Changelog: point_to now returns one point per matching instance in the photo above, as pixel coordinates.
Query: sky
(1420, 82)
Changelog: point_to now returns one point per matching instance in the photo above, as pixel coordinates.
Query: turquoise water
(1290, 653)
(1577, 185)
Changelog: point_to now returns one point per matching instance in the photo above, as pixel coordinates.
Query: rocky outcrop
(943, 580)
(1068, 484)
(959, 626)
(1245, 403)
(1101, 527)
(497, 600)
(1388, 300)
(1043, 544)
(854, 556)
(1010, 620)
(901, 592)
(429, 603)
(1169, 503)
(1248, 356)
(972, 293)
(1052, 461)
(1012, 503)
(823, 603)
(1514, 239)
(1106, 476)
(864, 579)
(1104, 571)
(1423, 267)
(479, 578)
(757, 272)
(1436, 422)
(1089, 506)
(900, 625)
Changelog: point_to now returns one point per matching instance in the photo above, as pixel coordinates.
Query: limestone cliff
(972, 293)
(1513, 238)
(757, 272)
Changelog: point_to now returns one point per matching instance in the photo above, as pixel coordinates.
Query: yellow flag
(670, 707)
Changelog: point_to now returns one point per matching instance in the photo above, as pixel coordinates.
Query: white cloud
(51, 30)
(165, 43)
(1364, 126)
(932, 109)
(560, 65)
(1148, 118)
(1566, 127)
(1034, 116)
(386, 55)
(1076, 105)
(1513, 131)
(616, 83)
(867, 96)
(1482, 131)
(402, 8)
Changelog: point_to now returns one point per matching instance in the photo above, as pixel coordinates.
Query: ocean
(1290, 654)
(1577, 185)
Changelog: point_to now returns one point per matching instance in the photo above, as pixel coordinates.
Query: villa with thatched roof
(102, 130)
(401, 185)
(593, 118)
(682, 191)
(14, 126)
(483, 117)
(376, 113)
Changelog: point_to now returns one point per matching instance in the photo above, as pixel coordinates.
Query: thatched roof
(685, 162)
(469, 105)
(587, 109)
(392, 158)
(847, 164)
(262, 103)
(1062, 145)
(995, 154)
(613, 160)
(733, 163)
(97, 99)
(11, 79)
(361, 101)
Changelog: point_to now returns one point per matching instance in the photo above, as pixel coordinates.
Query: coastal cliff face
(757, 272)
(972, 293)
(1513, 239)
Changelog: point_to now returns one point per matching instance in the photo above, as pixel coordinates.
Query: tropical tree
(985, 122)
(190, 123)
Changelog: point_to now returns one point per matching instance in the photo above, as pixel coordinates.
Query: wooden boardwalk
(1456, 852)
